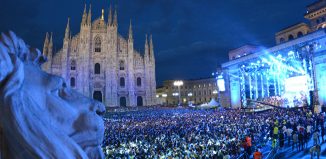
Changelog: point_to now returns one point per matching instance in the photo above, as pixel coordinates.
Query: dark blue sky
(191, 37)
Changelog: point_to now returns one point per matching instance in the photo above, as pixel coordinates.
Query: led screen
(296, 84)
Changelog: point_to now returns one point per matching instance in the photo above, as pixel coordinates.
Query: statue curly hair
(40, 116)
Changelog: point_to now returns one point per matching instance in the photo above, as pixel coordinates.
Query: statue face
(40, 116)
(66, 110)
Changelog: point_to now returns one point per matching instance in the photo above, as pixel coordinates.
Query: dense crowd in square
(186, 133)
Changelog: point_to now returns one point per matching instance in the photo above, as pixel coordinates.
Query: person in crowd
(322, 133)
(309, 127)
(249, 144)
(316, 137)
(306, 139)
(295, 141)
(315, 150)
(289, 135)
(301, 140)
(275, 131)
(281, 139)
(258, 154)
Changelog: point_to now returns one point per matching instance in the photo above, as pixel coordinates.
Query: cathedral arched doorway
(97, 95)
(123, 102)
(139, 101)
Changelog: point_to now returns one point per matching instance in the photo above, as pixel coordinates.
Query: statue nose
(99, 108)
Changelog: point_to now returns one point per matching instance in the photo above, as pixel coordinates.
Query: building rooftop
(306, 38)
(291, 27)
(316, 6)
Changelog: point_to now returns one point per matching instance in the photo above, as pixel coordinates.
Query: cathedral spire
(110, 16)
(51, 40)
(102, 17)
(146, 55)
(46, 44)
(89, 18)
(50, 48)
(115, 20)
(84, 16)
(130, 31)
(67, 33)
(151, 48)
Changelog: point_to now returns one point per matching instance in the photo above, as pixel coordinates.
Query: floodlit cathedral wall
(100, 63)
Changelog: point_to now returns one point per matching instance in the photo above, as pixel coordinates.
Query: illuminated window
(97, 44)
(122, 65)
(73, 65)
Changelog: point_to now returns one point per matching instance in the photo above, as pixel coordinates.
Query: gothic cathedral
(100, 63)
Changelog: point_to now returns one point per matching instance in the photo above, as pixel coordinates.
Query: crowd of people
(185, 133)
(286, 101)
(298, 130)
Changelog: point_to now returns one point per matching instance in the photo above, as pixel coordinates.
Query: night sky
(191, 37)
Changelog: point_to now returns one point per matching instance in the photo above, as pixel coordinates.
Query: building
(161, 96)
(316, 14)
(243, 51)
(102, 64)
(197, 91)
(294, 69)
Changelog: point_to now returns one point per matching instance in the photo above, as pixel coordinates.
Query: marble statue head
(41, 117)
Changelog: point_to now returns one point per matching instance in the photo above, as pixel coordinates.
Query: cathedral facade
(100, 63)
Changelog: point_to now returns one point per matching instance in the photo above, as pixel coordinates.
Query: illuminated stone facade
(100, 63)
(192, 91)
(316, 15)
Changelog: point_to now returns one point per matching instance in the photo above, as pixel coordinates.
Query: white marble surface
(40, 115)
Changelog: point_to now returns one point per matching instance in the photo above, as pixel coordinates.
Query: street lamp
(178, 84)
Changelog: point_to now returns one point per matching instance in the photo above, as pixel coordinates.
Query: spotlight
(290, 53)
